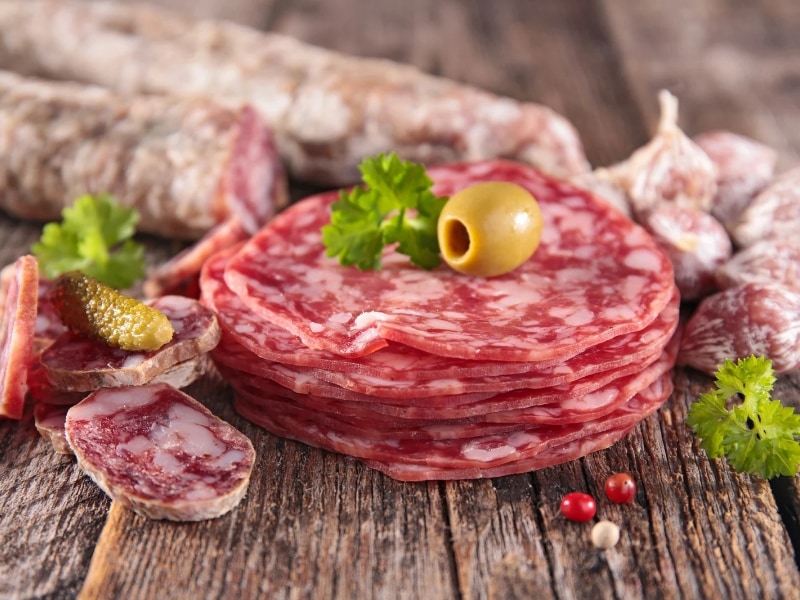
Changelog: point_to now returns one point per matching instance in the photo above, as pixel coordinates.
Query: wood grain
(315, 524)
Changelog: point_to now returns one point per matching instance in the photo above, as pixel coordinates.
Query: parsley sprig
(739, 420)
(94, 237)
(396, 206)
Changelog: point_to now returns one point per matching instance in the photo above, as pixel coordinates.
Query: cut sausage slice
(160, 452)
(596, 275)
(403, 366)
(17, 330)
(78, 364)
(528, 448)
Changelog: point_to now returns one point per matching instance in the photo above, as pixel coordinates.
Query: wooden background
(317, 525)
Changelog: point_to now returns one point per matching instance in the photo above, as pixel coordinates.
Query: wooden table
(317, 525)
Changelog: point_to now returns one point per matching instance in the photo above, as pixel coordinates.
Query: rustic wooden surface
(317, 525)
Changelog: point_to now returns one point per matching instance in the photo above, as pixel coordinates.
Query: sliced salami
(402, 365)
(17, 331)
(482, 456)
(78, 364)
(573, 404)
(181, 273)
(50, 420)
(159, 452)
(595, 276)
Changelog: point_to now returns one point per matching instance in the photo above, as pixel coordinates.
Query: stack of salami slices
(438, 375)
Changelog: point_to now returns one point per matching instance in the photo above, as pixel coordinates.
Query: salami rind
(160, 453)
(185, 164)
(79, 364)
(328, 110)
(598, 274)
(17, 331)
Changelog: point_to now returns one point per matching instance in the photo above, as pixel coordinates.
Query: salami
(79, 364)
(744, 167)
(774, 214)
(433, 374)
(696, 243)
(159, 452)
(180, 274)
(749, 319)
(403, 366)
(596, 275)
(17, 330)
(529, 448)
(328, 110)
(49, 420)
(185, 165)
(767, 261)
(427, 420)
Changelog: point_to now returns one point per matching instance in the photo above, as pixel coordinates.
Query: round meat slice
(78, 364)
(471, 458)
(17, 331)
(400, 365)
(596, 275)
(160, 452)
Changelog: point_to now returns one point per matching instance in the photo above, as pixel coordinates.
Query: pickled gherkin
(90, 308)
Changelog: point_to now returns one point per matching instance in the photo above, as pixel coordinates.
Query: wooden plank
(733, 65)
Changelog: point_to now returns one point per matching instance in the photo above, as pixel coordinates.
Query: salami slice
(328, 110)
(574, 404)
(17, 330)
(596, 275)
(184, 164)
(159, 452)
(79, 364)
(532, 447)
(50, 420)
(180, 274)
(402, 366)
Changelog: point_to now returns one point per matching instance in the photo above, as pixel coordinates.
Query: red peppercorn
(577, 506)
(620, 488)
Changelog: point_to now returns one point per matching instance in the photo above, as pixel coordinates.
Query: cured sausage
(184, 164)
(17, 330)
(546, 309)
(696, 243)
(78, 364)
(488, 376)
(160, 452)
(327, 110)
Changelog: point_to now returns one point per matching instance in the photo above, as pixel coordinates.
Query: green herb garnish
(739, 420)
(94, 238)
(396, 206)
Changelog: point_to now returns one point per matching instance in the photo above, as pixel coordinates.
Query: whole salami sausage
(328, 110)
(184, 164)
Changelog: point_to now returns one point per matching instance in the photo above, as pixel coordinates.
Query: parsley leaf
(397, 206)
(757, 434)
(94, 238)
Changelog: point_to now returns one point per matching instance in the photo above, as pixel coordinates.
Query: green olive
(489, 228)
